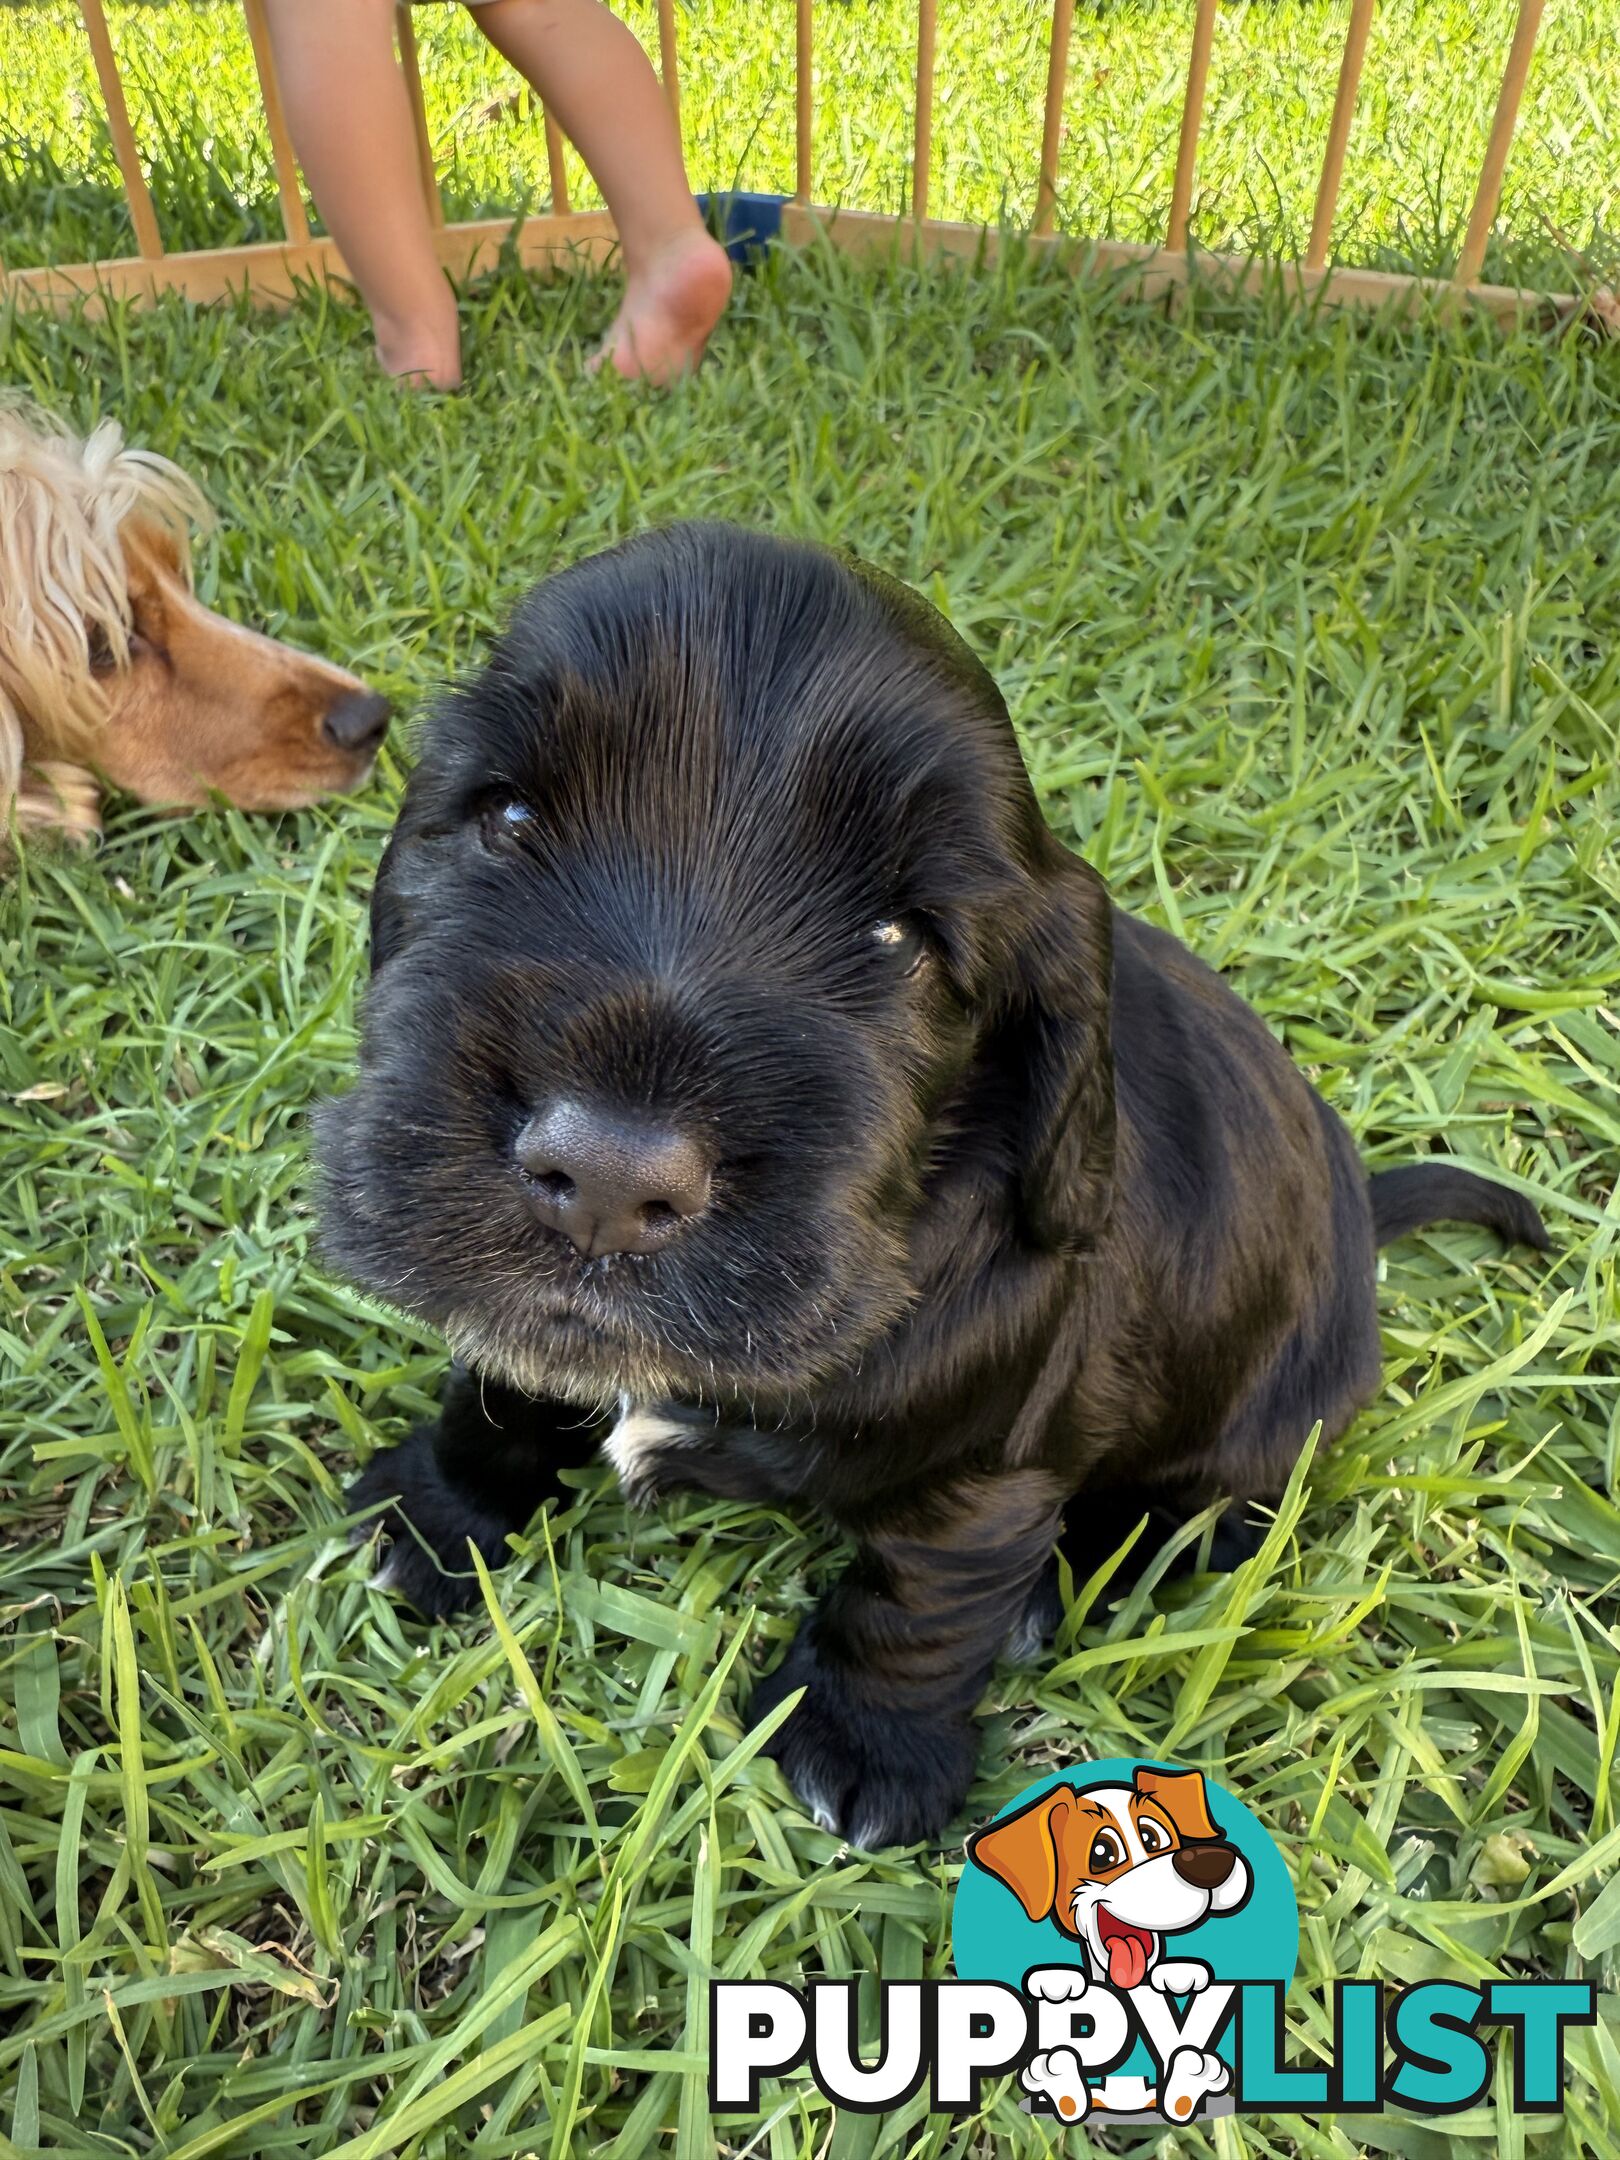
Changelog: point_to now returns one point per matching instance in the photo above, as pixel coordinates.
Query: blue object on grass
(744, 224)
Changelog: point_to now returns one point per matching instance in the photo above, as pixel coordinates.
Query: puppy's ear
(390, 912)
(1065, 969)
(1181, 1794)
(1021, 1851)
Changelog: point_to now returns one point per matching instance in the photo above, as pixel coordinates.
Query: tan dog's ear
(1181, 1794)
(1021, 1851)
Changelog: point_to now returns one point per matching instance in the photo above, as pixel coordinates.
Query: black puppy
(744, 1051)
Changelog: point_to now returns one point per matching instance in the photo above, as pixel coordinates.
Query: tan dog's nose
(357, 721)
(1206, 1867)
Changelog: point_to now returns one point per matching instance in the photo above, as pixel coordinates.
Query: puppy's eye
(1153, 1838)
(1106, 1852)
(503, 819)
(901, 942)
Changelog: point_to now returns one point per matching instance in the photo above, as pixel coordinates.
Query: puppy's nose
(358, 720)
(609, 1184)
(1206, 1867)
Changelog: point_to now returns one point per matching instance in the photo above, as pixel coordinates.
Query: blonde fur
(65, 504)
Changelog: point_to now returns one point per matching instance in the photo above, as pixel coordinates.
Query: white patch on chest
(636, 1442)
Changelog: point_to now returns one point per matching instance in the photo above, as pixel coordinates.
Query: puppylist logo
(1117, 1901)
(1124, 1936)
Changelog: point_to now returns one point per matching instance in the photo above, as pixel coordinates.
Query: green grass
(1432, 72)
(1311, 633)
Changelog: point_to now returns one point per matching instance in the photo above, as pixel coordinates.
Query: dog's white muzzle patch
(1152, 1896)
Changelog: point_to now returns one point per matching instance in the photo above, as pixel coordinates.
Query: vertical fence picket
(923, 137)
(1192, 116)
(294, 219)
(803, 99)
(411, 67)
(668, 59)
(148, 240)
(557, 167)
(1344, 112)
(1057, 76)
(1488, 195)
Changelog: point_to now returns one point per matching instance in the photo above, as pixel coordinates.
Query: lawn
(1312, 633)
(1432, 72)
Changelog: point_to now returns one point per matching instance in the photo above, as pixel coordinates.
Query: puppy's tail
(1420, 1193)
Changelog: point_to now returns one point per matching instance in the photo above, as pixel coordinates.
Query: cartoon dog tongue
(1127, 1953)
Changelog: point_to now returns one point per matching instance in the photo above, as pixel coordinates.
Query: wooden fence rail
(271, 271)
(410, 68)
(1344, 111)
(294, 222)
(136, 193)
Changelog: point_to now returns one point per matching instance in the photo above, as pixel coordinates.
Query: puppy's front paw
(1191, 2078)
(1058, 2079)
(427, 1527)
(878, 1777)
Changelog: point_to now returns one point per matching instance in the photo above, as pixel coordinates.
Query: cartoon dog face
(1118, 1867)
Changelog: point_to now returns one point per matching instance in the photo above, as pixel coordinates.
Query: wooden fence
(272, 271)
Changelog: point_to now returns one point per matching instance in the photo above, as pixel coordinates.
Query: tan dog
(112, 670)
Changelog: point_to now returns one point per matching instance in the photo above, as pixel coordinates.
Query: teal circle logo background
(992, 1938)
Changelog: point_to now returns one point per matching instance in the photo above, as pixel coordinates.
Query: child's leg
(599, 83)
(350, 122)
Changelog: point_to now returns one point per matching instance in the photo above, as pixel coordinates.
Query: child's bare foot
(421, 360)
(672, 300)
